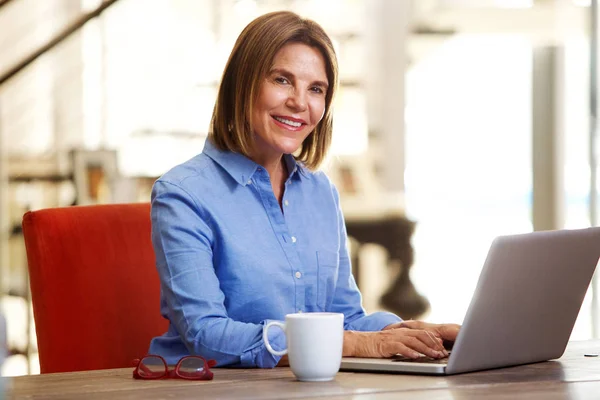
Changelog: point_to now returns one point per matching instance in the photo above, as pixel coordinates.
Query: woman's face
(291, 101)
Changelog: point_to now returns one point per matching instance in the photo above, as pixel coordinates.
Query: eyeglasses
(189, 367)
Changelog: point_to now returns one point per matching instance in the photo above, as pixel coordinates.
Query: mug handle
(266, 338)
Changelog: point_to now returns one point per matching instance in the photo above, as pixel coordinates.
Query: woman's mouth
(288, 123)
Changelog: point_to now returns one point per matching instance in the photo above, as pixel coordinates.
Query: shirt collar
(241, 168)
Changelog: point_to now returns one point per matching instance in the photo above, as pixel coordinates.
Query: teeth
(288, 122)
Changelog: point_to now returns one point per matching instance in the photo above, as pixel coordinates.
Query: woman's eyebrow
(281, 71)
(323, 84)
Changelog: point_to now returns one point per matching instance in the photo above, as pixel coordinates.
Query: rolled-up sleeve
(347, 297)
(191, 296)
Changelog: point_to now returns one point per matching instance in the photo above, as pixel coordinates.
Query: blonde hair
(249, 63)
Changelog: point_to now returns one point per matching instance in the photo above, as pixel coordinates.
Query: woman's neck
(274, 167)
(277, 173)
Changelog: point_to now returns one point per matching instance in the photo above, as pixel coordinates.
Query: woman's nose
(297, 100)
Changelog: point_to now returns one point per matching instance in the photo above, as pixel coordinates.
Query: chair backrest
(94, 286)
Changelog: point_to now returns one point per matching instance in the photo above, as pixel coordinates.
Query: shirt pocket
(327, 274)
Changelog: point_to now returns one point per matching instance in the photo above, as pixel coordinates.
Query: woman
(249, 231)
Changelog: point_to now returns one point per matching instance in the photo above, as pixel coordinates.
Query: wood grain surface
(573, 376)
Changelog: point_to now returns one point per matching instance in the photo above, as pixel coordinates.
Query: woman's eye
(317, 89)
(281, 79)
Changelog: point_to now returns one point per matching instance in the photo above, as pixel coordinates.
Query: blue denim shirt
(230, 260)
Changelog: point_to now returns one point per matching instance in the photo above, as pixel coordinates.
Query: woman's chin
(290, 148)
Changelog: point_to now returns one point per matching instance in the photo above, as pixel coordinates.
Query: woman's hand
(445, 331)
(406, 341)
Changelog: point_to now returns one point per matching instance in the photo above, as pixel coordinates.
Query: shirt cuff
(373, 322)
(259, 356)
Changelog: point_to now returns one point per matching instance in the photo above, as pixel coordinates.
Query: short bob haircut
(249, 64)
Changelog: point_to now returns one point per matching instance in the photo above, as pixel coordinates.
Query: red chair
(94, 286)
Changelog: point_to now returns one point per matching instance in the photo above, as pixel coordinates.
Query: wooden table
(572, 377)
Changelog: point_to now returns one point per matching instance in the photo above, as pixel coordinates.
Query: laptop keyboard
(424, 359)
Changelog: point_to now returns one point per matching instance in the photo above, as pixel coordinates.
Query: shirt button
(249, 181)
(293, 239)
(298, 274)
(287, 203)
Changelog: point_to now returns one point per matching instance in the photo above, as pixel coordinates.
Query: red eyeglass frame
(206, 373)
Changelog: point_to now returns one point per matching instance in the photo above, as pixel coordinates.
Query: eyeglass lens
(151, 367)
(191, 367)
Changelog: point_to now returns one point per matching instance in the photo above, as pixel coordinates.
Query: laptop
(523, 309)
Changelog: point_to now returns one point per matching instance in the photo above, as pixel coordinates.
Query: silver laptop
(524, 307)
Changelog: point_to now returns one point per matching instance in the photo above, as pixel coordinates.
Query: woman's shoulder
(319, 183)
(317, 177)
(192, 172)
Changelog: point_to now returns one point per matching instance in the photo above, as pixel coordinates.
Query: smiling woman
(249, 230)
(262, 54)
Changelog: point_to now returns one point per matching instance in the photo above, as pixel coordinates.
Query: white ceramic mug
(314, 344)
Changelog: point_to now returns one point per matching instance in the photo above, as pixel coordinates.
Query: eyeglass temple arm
(137, 363)
(144, 368)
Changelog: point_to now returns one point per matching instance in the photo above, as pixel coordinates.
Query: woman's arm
(366, 335)
(183, 243)
(347, 298)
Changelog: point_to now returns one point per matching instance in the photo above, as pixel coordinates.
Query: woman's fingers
(416, 344)
(438, 343)
(412, 343)
(449, 331)
(446, 331)
(434, 344)
(402, 349)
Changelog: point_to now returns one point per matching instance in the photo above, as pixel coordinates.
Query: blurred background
(456, 121)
